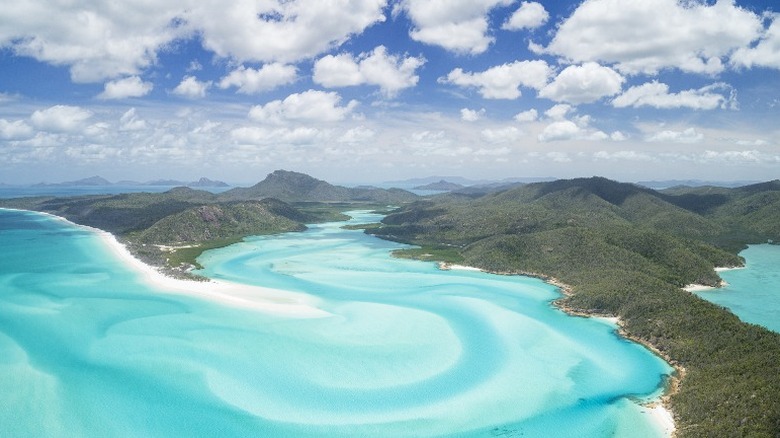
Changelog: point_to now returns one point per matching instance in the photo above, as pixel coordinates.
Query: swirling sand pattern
(401, 349)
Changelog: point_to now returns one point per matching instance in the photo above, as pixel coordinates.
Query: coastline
(659, 410)
(264, 299)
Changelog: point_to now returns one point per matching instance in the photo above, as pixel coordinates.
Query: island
(615, 249)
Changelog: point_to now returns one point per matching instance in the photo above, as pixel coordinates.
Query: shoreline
(264, 299)
(658, 410)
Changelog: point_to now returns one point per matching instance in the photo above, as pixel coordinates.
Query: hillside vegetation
(625, 250)
(172, 229)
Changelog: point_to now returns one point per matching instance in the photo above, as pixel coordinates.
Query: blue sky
(374, 90)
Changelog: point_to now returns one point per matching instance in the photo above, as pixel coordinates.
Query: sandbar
(264, 299)
(260, 298)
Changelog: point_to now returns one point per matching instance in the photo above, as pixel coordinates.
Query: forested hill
(626, 251)
(298, 187)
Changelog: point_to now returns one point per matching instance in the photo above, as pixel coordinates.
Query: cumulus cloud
(126, 87)
(561, 130)
(650, 35)
(559, 111)
(583, 84)
(391, 73)
(529, 15)
(16, 130)
(503, 81)
(252, 81)
(311, 106)
(284, 31)
(688, 135)
(470, 115)
(113, 39)
(192, 88)
(575, 127)
(655, 94)
(109, 39)
(527, 116)
(460, 26)
(60, 118)
(765, 53)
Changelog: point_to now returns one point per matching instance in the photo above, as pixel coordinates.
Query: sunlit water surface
(752, 292)
(88, 349)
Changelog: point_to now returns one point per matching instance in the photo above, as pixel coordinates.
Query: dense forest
(619, 249)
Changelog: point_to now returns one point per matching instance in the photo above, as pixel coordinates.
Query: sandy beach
(264, 299)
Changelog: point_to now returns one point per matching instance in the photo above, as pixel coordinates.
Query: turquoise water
(88, 349)
(753, 292)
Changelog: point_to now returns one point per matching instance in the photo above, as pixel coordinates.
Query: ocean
(753, 292)
(89, 348)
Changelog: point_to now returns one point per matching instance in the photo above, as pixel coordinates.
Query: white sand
(697, 287)
(264, 299)
(446, 267)
(663, 419)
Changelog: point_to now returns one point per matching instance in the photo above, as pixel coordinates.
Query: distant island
(615, 249)
(98, 181)
(441, 185)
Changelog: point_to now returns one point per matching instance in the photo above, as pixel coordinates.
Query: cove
(87, 348)
(752, 292)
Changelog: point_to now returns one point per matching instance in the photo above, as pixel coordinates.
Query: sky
(365, 91)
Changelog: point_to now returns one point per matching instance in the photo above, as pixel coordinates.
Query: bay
(89, 348)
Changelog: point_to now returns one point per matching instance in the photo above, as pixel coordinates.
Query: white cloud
(687, 136)
(583, 84)
(527, 116)
(312, 106)
(360, 134)
(460, 26)
(265, 136)
(561, 130)
(390, 72)
(192, 88)
(99, 41)
(130, 121)
(559, 111)
(283, 31)
(503, 81)
(124, 88)
(650, 35)
(656, 95)
(622, 156)
(529, 15)
(60, 118)
(104, 40)
(766, 53)
(252, 81)
(470, 115)
(501, 135)
(16, 130)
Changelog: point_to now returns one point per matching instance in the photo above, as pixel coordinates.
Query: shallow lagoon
(88, 349)
(752, 292)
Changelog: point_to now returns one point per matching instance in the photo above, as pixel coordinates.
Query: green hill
(298, 187)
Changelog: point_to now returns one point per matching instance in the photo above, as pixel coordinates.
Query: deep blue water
(87, 348)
